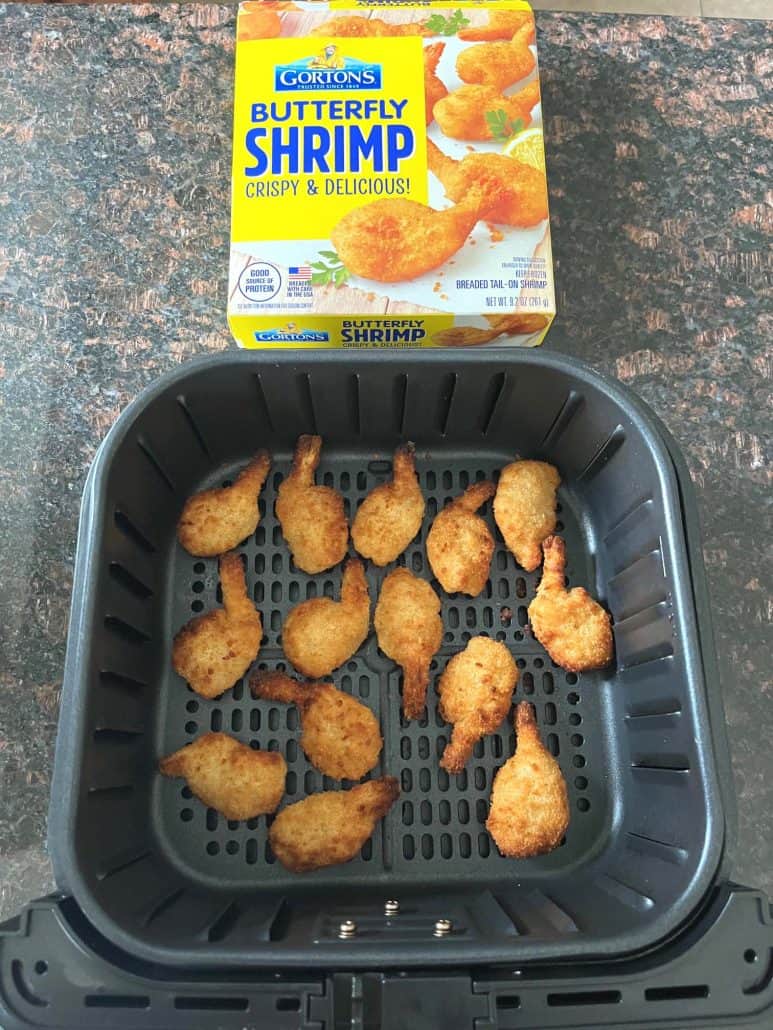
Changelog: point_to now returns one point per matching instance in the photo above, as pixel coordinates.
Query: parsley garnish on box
(442, 26)
(329, 270)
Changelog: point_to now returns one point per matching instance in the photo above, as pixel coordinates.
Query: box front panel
(388, 164)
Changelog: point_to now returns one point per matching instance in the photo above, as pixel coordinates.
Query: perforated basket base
(436, 832)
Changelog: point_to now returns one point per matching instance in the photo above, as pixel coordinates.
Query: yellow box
(388, 185)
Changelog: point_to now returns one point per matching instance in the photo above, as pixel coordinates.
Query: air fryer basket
(172, 882)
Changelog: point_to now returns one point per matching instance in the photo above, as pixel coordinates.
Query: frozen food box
(388, 183)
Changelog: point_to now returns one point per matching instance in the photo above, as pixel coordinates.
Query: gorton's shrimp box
(388, 177)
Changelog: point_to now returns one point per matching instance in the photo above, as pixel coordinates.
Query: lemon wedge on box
(528, 147)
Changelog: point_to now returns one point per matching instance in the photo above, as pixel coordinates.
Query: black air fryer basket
(163, 883)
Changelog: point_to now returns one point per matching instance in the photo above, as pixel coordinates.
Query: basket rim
(68, 753)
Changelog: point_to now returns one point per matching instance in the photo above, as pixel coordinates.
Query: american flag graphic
(301, 273)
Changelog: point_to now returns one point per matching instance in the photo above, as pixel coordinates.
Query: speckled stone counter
(114, 214)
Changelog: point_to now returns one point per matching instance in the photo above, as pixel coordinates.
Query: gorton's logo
(290, 333)
(327, 70)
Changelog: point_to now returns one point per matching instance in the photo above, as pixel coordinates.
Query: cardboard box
(388, 183)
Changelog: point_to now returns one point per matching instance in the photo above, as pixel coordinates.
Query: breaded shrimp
(410, 632)
(434, 87)
(354, 26)
(498, 65)
(529, 805)
(395, 239)
(391, 515)
(215, 521)
(525, 508)
(214, 650)
(476, 689)
(229, 776)
(258, 19)
(460, 544)
(320, 634)
(464, 336)
(523, 189)
(462, 114)
(573, 628)
(312, 517)
(331, 827)
(523, 323)
(500, 25)
(340, 735)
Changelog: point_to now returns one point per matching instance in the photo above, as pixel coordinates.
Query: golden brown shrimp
(475, 690)
(434, 87)
(340, 736)
(521, 324)
(525, 508)
(500, 25)
(391, 515)
(258, 20)
(460, 544)
(395, 239)
(410, 631)
(523, 189)
(462, 114)
(331, 827)
(354, 26)
(529, 806)
(320, 634)
(214, 650)
(312, 517)
(499, 65)
(215, 521)
(573, 628)
(229, 776)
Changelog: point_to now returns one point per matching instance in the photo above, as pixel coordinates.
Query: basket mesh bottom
(436, 830)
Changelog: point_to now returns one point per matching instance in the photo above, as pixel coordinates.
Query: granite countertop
(114, 213)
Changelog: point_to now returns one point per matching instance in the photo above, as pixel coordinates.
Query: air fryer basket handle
(57, 972)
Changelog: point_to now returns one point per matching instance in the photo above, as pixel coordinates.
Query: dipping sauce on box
(388, 184)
